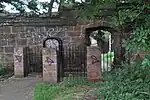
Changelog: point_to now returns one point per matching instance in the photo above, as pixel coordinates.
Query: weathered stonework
(18, 62)
(29, 32)
(49, 65)
(93, 64)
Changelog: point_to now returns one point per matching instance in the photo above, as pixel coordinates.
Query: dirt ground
(19, 89)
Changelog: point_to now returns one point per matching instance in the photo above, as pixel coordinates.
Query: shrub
(129, 83)
(1, 68)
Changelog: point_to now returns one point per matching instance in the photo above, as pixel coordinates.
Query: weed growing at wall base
(2, 72)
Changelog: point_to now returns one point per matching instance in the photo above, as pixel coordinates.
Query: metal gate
(74, 61)
(71, 60)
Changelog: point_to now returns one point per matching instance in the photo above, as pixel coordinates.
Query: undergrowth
(66, 90)
(126, 83)
(2, 71)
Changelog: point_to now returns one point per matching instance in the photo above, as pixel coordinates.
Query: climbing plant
(139, 40)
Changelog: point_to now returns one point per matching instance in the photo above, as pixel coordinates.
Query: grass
(128, 83)
(66, 90)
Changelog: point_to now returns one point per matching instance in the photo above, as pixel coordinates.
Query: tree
(33, 5)
(130, 16)
(127, 15)
(20, 5)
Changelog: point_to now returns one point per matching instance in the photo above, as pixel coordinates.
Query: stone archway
(116, 35)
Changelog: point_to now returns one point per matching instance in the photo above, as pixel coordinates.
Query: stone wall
(22, 32)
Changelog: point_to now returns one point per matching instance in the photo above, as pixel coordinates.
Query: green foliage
(101, 36)
(146, 61)
(67, 90)
(119, 13)
(107, 57)
(2, 72)
(130, 83)
(20, 5)
(45, 92)
(139, 40)
(34, 6)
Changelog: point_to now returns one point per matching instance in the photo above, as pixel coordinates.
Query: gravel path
(18, 89)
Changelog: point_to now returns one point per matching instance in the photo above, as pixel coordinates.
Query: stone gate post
(18, 62)
(49, 58)
(94, 64)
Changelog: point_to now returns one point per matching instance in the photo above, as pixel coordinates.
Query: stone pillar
(49, 65)
(18, 62)
(94, 64)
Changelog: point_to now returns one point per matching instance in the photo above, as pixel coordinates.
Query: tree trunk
(50, 7)
(60, 4)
